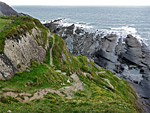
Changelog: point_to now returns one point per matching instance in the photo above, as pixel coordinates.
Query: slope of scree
(60, 82)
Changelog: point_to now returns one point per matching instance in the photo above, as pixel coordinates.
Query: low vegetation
(3, 23)
(103, 91)
(19, 25)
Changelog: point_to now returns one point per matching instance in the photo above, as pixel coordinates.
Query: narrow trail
(51, 51)
(77, 85)
(26, 97)
(109, 83)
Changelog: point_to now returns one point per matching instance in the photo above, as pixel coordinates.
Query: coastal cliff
(106, 49)
(38, 74)
(127, 57)
(22, 43)
(43, 72)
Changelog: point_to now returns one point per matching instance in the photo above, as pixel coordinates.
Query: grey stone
(6, 10)
(7, 69)
(18, 53)
(121, 55)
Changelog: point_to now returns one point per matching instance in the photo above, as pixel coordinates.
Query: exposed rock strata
(125, 56)
(7, 68)
(109, 51)
(18, 53)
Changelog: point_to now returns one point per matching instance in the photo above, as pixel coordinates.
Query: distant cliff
(6, 9)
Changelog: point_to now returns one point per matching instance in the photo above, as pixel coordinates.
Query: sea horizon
(123, 19)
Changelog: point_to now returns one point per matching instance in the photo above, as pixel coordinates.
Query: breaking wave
(121, 32)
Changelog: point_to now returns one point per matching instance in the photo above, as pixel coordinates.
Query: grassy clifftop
(13, 26)
(62, 83)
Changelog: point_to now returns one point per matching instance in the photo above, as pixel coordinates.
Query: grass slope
(98, 95)
(3, 22)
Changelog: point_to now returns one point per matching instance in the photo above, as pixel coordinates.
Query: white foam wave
(121, 32)
(66, 23)
(129, 30)
(84, 26)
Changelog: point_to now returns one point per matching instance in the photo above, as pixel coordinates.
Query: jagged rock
(22, 50)
(134, 51)
(7, 69)
(18, 53)
(108, 51)
(120, 55)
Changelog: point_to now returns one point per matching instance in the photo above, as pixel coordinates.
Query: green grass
(54, 103)
(94, 97)
(41, 76)
(3, 22)
(48, 52)
(97, 96)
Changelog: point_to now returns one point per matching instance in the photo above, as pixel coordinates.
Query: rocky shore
(44, 69)
(127, 57)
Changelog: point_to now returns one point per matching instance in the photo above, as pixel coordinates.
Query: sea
(122, 20)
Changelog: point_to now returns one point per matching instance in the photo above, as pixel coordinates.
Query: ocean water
(123, 20)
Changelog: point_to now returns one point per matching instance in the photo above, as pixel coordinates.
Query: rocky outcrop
(108, 50)
(6, 10)
(7, 68)
(126, 56)
(18, 53)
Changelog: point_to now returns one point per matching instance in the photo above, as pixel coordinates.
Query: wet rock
(107, 50)
(143, 90)
(121, 55)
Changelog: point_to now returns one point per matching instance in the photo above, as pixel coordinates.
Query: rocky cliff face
(6, 10)
(20, 49)
(125, 56)
(25, 39)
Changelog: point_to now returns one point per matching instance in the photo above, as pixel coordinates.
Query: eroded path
(67, 90)
(26, 97)
(51, 51)
(109, 83)
(77, 85)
